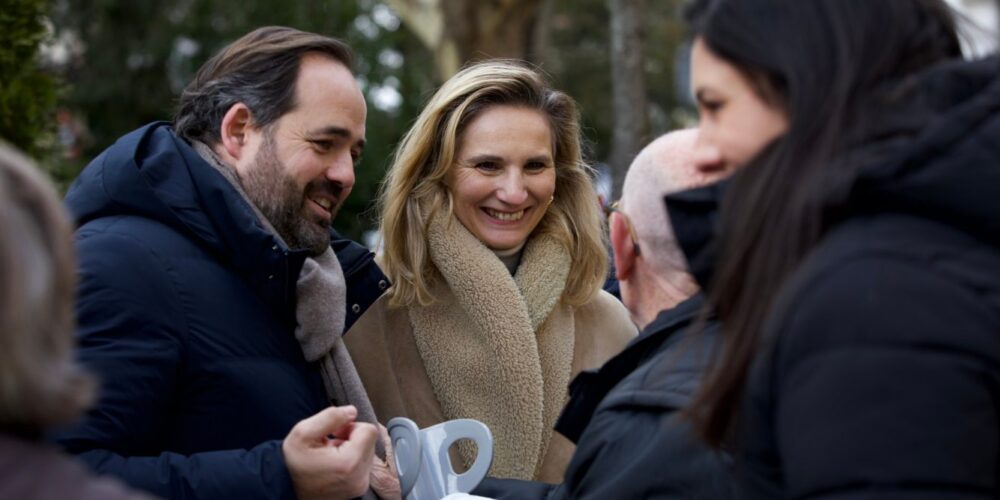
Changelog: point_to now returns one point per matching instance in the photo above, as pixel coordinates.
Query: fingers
(334, 420)
(362, 439)
(329, 455)
(384, 478)
(390, 453)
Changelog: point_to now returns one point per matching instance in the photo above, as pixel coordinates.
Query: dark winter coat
(186, 313)
(624, 418)
(882, 376)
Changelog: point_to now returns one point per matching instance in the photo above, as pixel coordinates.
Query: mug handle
(405, 437)
(467, 428)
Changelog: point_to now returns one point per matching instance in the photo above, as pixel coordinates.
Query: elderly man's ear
(622, 246)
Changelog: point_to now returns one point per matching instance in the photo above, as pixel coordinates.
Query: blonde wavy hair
(40, 386)
(414, 189)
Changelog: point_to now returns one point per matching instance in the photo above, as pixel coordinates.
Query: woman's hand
(384, 478)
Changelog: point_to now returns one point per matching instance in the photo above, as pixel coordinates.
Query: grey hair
(664, 166)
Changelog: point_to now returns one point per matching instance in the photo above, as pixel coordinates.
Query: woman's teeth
(505, 216)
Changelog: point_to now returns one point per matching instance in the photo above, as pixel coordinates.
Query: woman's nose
(512, 188)
(707, 156)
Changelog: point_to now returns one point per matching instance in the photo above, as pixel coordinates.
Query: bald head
(665, 166)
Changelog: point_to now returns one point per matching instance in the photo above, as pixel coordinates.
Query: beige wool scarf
(321, 295)
(498, 348)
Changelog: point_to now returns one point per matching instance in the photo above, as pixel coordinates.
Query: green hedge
(27, 92)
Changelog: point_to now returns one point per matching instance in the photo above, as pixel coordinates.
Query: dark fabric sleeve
(886, 387)
(630, 452)
(503, 489)
(258, 473)
(130, 334)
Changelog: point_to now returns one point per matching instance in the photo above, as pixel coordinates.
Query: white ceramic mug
(423, 461)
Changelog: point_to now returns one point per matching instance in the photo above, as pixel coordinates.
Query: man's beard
(280, 200)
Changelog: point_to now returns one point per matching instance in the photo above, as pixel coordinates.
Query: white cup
(423, 461)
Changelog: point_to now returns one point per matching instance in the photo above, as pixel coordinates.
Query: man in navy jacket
(191, 240)
(625, 417)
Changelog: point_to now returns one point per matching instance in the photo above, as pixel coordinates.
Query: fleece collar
(498, 348)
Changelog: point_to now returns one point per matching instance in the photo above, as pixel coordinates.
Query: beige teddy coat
(498, 348)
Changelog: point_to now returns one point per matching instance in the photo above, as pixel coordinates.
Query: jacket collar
(694, 220)
(590, 387)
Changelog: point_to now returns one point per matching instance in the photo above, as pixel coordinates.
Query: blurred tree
(628, 88)
(603, 64)
(127, 61)
(27, 91)
(457, 31)
(577, 53)
(130, 60)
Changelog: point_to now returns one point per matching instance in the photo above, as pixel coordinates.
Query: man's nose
(341, 170)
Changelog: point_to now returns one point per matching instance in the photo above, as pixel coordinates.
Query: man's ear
(235, 127)
(622, 247)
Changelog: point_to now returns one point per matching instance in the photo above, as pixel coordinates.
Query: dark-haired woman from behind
(858, 277)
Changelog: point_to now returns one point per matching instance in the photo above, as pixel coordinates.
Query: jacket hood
(154, 174)
(944, 162)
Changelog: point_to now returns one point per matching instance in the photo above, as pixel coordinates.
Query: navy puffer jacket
(186, 314)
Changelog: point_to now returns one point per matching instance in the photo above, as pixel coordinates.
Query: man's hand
(384, 478)
(329, 455)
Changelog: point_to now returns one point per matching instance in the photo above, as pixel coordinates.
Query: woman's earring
(551, 199)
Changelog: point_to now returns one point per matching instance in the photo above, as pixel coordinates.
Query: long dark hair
(830, 65)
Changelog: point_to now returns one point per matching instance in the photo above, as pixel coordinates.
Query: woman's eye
(535, 166)
(488, 166)
(711, 106)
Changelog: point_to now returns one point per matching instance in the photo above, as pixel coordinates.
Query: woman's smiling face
(504, 175)
(735, 123)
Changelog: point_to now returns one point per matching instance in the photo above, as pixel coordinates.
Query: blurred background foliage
(120, 64)
(27, 89)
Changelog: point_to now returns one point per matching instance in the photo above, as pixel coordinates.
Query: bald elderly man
(625, 418)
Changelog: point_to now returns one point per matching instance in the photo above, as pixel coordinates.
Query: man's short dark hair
(259, 70)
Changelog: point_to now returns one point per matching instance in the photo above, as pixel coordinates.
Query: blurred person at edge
(211, 303)
(626, 417)
(41, 386)
(859, 248)
(495, 246)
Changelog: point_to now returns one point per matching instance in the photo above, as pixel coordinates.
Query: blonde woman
(494, 244)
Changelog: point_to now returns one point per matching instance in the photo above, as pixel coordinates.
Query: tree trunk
(458, 31)
(631, 125)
